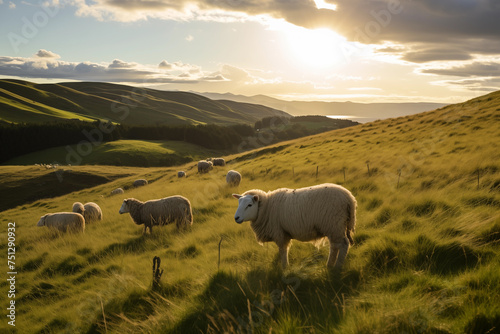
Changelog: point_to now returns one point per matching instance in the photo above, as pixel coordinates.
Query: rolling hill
(123, 152)
(426, 257)
(22, 101)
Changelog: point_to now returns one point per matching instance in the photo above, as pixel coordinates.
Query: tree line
(23, 138)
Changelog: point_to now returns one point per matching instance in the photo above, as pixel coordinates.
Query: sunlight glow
(321, 4)
(316, 49)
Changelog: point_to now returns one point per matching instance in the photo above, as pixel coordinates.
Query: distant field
(121, 152)
(426, 257)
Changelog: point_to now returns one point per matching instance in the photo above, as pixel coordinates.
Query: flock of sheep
(49, 166)
(72, 221)
(311, 214)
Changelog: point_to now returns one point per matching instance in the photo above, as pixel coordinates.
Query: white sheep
(173, 209)
(181, 174)
(205, 166)
(117, 191)
(218, 161)
(90, 211)
(140, 183)
(233, 178)
(63, 221)
(305, 214)
(78, 208)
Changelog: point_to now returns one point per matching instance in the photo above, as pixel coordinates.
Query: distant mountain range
(360, 112)
(27, 102)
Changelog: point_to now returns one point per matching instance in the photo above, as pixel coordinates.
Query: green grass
(426, 257)
(22, 101)
(142, 153)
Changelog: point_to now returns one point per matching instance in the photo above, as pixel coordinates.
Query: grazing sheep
(173, 209)
(78, 208)
(218, 161)
(90, 211)
(117, 191)
(205, 166)
(181, 174)
(233, 178)
(305, 214)
(63, 221)
(140, 183)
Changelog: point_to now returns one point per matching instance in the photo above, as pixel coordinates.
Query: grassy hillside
(426, 257)
(22, 101)
(25, 184)
(143, 153)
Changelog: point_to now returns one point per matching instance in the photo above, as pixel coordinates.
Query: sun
(315, 49)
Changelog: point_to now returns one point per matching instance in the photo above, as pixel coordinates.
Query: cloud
(234, 73)
(165, 65)
(436, 30)
(365, 88)
(474, 69)
(173, 75)
(189, 38)
(47, 54)
(398, 20)
(179, 67)
(116, 71)
(12, 5)
(472, 85)
(121, 64)
(215, 77)
(436, 54)
(46, 65)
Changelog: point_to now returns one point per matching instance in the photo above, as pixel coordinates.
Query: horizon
(380, 52)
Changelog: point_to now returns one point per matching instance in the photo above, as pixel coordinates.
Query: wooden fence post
(218, 261)
(156, 272)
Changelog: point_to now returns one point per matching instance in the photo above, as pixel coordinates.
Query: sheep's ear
(236, 196)
(255, 198)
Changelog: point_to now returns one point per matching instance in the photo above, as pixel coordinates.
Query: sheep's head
(124, 208)
(41, 222)
(248, 208)
(78, 208)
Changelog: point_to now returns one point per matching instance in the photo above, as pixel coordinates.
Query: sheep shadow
(265, 297)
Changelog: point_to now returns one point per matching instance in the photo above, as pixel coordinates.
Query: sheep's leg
(334, 250)
(283, 252)
(338, 247)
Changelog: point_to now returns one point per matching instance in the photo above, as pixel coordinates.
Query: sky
(330, 50)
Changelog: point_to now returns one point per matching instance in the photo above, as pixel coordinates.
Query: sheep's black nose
(237, 218)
